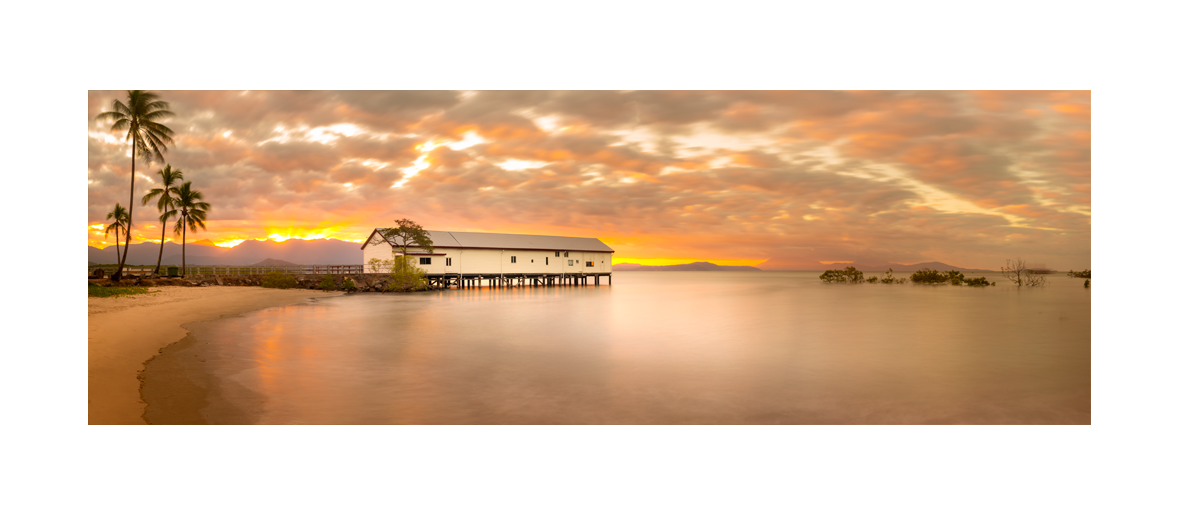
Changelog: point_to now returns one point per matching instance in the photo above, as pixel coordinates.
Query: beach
(124, 332)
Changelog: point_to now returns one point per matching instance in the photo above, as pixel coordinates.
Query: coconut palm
(140, 117)
(164, 196)
(119, 216)
(192, 215)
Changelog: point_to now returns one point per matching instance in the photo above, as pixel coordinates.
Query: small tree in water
(1021, 275)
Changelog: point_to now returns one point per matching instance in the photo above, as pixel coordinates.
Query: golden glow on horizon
(228, 243)
(684, 261)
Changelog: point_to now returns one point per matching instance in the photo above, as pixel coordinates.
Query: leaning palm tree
(164, 196)
(140, 117)
(119, 216)
(192, 215)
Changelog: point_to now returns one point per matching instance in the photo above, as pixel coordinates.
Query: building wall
(495, 261)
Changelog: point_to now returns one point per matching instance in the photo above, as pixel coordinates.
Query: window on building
(571, 262)
(424, 261)
(513, 259)
(589, 263)
(532, 261)
(448, 261)
(567, 253)
(546, 260)
(556, 254)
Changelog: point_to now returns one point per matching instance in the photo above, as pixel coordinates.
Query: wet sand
(125, 332)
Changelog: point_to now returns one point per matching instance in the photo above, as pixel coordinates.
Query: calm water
(654, 348)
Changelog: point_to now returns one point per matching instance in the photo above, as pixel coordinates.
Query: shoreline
(124, 333)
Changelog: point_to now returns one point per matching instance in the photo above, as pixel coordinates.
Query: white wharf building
(467, 259)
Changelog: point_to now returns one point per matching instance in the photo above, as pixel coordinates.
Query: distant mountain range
(250, 252)
(274, 262)
(699, 266)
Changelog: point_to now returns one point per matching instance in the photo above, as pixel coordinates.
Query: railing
(245, 270)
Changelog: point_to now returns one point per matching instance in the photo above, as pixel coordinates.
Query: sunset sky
(787, 179)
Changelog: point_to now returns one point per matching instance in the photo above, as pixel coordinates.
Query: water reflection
(661, 348)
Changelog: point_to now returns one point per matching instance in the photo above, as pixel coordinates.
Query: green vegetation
(278, 280)
(1084, 274)
(403, 275)
(849, 275)
(349, 285)
(192, 215)
(328, 283)
(140, 117)
(165, 196)
(889, 279)
(953, 277)
(1087, 284)
(107, 292)
(978, 281)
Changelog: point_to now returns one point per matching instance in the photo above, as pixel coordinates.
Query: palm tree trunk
(118, 256)
(130, 208)
(164, 227)
(183, 234)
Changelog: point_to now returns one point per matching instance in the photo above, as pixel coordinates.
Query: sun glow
(684, 261)
(229, 244)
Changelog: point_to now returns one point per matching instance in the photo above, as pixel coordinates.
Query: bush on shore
(349, 285)
(403, 276)
(278, 280)
(327, 283)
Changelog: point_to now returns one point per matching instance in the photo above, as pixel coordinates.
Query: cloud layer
(798, 178)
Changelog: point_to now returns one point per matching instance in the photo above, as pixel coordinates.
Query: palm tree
(165, 195)
(119, 215)
(140, 117)
(192, 215)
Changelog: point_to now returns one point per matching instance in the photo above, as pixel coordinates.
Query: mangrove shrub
(849, 275)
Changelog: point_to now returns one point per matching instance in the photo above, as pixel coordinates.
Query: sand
(124, 332)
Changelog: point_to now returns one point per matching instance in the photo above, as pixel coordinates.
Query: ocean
(653, 348)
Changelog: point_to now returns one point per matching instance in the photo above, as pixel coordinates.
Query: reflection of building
(502, 255)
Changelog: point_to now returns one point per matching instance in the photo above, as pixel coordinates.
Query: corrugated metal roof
(519, 242)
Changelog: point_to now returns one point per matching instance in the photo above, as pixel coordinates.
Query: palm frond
(113, 116)
(196, 223)
(152, 194)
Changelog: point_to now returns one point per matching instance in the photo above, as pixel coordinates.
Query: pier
(511, 280)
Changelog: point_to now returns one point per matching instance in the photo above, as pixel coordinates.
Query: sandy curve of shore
(125, 332)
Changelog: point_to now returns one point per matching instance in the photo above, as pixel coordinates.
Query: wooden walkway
(510, 280)
(440, 281)
(242, 270)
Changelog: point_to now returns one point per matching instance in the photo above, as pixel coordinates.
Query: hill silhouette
(300, 252)
(699, 266)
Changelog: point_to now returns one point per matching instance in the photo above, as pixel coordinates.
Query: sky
(776, 179)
